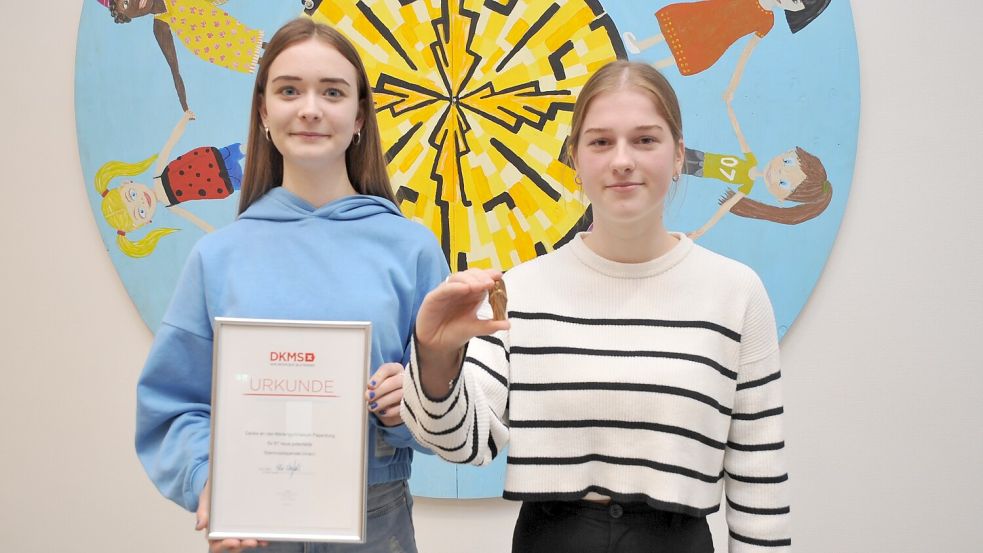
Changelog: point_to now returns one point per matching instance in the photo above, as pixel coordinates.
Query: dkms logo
(291, 357)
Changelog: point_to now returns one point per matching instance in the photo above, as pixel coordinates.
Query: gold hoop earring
(357, 139)
(578, 180)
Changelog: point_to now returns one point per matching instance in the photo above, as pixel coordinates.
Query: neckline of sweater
(645, 269)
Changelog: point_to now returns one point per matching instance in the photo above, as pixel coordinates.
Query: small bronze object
(498, 299)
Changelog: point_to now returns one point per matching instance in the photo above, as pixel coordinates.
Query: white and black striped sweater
(655, 382)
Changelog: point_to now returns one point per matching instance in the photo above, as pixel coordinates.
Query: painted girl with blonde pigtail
(200, 174)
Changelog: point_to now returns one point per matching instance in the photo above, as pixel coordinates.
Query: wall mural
(474, 99)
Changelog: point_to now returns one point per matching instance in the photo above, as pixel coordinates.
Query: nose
(310, 109)
(623, 161)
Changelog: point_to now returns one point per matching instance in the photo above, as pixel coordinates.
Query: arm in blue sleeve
(399, 436)
(431, 270)
(174, 414)
(173, 425)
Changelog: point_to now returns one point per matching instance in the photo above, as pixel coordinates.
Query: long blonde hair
(115, 213)
(364, 160)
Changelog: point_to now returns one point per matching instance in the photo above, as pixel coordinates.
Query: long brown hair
(364, 160)
(813, 196)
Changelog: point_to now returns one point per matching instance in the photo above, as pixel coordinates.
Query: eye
(288, 91)
(132, 194)
(783, 183)
(647, 140)
(334, 93)
(143, 213)
(598, 142)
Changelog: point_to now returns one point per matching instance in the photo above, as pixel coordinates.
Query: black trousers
(585, 526)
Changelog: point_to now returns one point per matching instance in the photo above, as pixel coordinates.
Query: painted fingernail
(371, 395)
(372, 383)
(373, 405)
(383, 412)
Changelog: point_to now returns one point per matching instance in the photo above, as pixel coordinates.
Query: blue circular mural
(474, 99)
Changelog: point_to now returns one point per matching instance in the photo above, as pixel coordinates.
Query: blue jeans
(389, 526)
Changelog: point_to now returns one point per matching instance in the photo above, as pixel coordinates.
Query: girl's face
(791, 5)
(784, 174)
(626, 157)
(311, 105)
(140, 202)
(134, 8)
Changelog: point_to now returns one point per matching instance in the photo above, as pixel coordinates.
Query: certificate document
(288, 459)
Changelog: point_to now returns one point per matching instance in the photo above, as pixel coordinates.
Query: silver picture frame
(288, 430)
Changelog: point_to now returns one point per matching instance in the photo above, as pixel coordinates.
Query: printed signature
(282, 468)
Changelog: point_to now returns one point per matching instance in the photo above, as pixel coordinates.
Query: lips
(147, 195)
(307, 134)
(623, 185)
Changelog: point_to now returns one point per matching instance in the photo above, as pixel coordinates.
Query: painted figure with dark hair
(208, 32)
(698, 33)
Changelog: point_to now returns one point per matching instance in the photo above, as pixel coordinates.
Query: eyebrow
(334, 80)
(638, 128)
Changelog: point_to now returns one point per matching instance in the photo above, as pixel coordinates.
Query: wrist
(439, 370)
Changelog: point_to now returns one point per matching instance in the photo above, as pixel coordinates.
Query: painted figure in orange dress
(698, 33)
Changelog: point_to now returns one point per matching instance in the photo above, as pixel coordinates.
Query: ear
(262, 110)
(571, 155)
(680, 156)
(359, 119)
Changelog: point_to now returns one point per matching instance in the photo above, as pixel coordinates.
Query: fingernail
(383, 412)
(371, 395)
(372, 383)
(373, 405)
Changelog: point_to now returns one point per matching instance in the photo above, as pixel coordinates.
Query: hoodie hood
(279, 204)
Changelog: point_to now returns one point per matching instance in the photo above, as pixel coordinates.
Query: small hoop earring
(675, 178)
(309, 4)
(578, 180)
(357, 139)
(268, 137)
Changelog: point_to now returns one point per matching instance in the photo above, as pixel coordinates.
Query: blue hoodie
(356, 258)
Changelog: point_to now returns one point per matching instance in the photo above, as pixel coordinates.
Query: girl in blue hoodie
(318, 237)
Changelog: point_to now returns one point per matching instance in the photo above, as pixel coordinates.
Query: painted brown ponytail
(812, 196)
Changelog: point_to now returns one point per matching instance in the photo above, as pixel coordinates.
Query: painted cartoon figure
(698, 33)
(210, 33)
(795, 175)
(203, 173)
(310, 6)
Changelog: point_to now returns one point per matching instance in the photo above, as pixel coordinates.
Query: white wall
(883, 369)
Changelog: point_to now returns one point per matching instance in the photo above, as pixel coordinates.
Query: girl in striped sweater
(636, 376)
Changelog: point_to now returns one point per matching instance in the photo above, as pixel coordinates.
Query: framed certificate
(288, 452)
